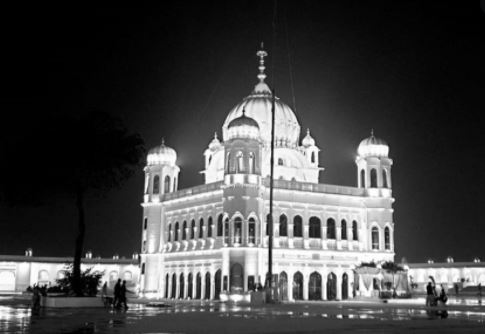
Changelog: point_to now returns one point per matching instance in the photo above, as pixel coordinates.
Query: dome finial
(244, 112)
(372, 132)
(261, 54)
(215, 134)
(307, 131)
(163, 141)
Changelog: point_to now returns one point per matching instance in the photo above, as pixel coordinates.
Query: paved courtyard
(213, 317)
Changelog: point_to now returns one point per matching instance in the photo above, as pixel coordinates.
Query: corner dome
(215, 143)
(373, 147)
(243, 127)
(161, 155)
(308, 140)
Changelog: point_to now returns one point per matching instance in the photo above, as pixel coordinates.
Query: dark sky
(413, 71)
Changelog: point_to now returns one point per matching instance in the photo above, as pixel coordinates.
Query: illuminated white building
(200, 241)
(18, 272)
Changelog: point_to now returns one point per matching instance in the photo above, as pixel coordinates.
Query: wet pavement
(213, 317)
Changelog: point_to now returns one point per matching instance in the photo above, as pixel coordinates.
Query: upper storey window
(297, 227)
(280, 162)
(343, 229)
(384, 178)
(315, 231)
(251, 163)
(331, 228)
(156, 184)
(387, 238)
(373, 178)
(283, 226)
(355, 231)
(313, 158)
(166, 184)
(239, 162)
(375, 238)
(362, 178)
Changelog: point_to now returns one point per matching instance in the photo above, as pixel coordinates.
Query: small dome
(373, 147)
(162, 154)
(308, 140)
(215, 143)
(243, 127)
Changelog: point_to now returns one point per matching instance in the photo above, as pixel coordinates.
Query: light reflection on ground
(17, 317)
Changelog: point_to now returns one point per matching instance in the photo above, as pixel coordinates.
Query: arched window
(375, 238)
(192, 229)
(169, 236)
(355, 231)
(268, 222)
(251, 163)
(184, 231)
(237, 230)
(315, 231)
(226, 230)
(280, 162)
(219, 226)
(228, 162)
(145, 223)
(166, 184)
(313, 157)
(343, 230)
(283, 226)
(297, 227)
(201, 228)
(252, 231)
(174, 184)
(331, 228)
(177, 231)
(210, 226)
(362, 178)
(384, 178)
(387, 238)
(156, 184)
(239, 162)
(373, 178)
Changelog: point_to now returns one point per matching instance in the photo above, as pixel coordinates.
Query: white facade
(210, 238)
(17, 273)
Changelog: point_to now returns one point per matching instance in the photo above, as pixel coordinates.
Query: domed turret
(215, 143)
(162, 155)
(243, 127)
(373, 147)
(308, 140)
(373, 163)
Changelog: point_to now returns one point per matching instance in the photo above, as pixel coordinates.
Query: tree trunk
(76, 284)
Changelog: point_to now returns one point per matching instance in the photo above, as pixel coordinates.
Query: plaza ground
(400, 316)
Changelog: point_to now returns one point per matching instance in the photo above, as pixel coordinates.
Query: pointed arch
(384, 178)
(220, 226)
(166, 184)
(251, 231)
(315, 286)
(238, 230)
(331, 228)
(252, 163)
(314, 229)
(210, 226)
(177, 231)
(298, 286)
(373, 178)
(184, 231)
(355, 231)
(375, 237)
(201, 228)
(192, 229)
(387, 238)
(343, 229)
(169, 236)
(156, 185)
(297, 226)
(283, 225)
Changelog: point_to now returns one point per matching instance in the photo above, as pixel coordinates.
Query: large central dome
(258, 106)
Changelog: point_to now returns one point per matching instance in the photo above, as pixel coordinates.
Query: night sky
(413, 72)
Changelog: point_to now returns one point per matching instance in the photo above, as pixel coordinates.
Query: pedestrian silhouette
(117, 291)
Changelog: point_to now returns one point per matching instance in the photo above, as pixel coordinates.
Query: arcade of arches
(316, 285)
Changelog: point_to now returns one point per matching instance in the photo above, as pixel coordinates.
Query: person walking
(429, 295)
(123, 291)
(117, 290)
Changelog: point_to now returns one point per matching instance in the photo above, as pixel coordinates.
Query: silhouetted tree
(69, 155)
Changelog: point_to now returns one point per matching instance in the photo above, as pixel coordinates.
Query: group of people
(432, 297)
(119, 295)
